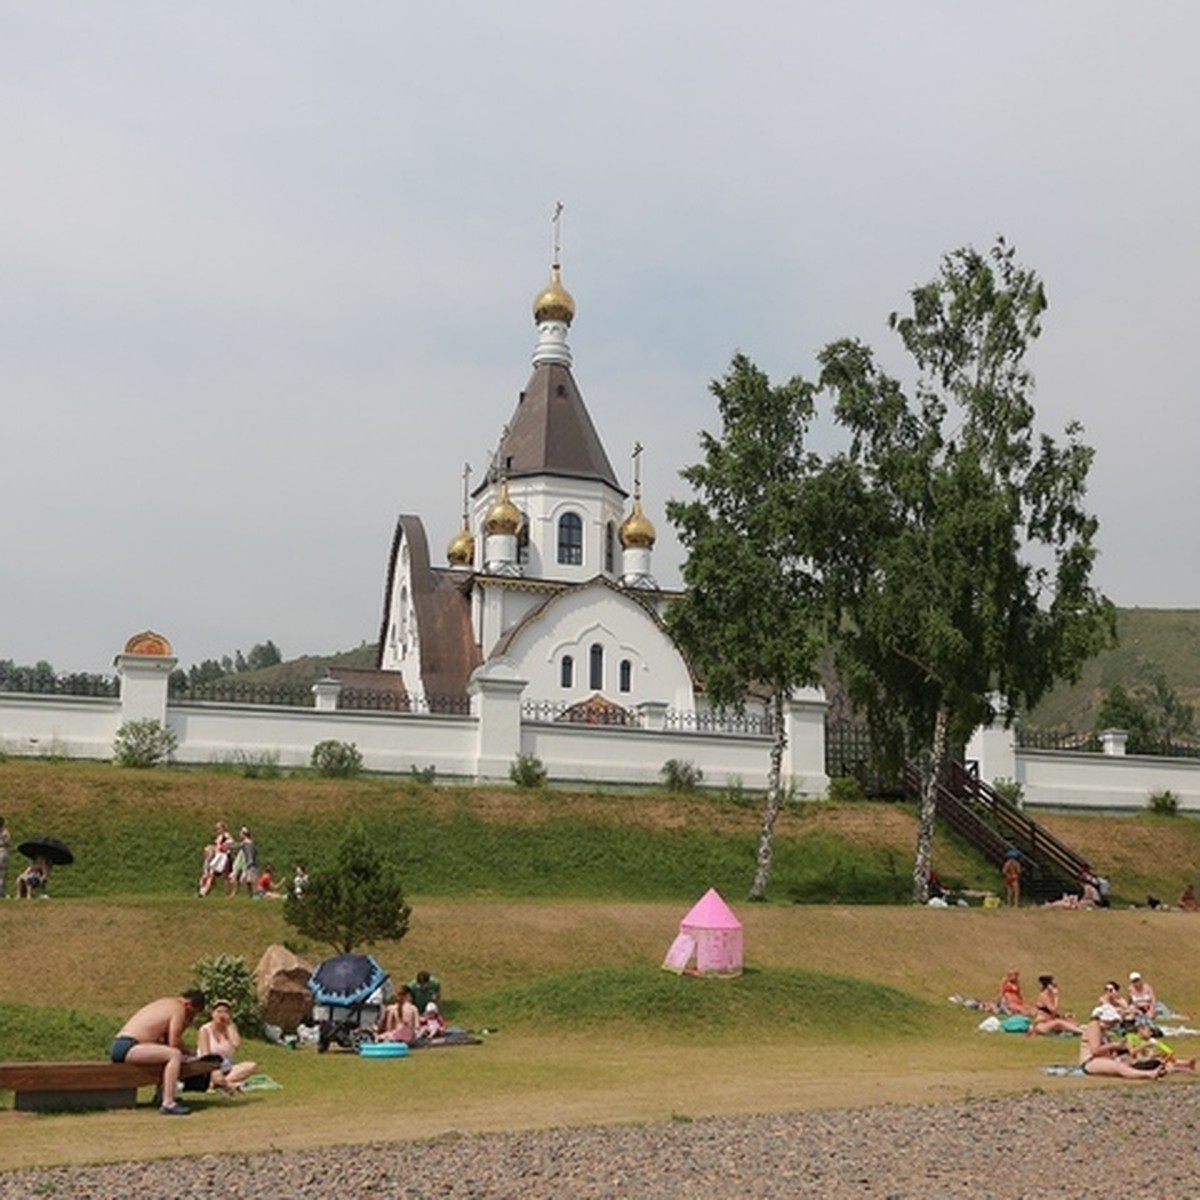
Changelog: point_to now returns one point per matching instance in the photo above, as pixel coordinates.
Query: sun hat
(1105, 1012)
(1135, 975)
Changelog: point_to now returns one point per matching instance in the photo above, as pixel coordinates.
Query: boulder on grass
(282, 981)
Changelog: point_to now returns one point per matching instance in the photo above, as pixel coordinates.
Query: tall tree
(355, 901)
(748, 615)
(960, 552)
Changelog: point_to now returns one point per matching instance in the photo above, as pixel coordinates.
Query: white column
(1114, 741)
(496, 690)
(327, 691)
(994, 749)
(804, 754)
(144, 679)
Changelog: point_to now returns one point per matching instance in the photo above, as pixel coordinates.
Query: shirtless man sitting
(154, 1034)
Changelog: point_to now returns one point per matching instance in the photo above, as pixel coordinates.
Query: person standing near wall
(1012, 878)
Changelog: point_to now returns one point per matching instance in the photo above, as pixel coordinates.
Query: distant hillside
(1150, 639)
(308, 668)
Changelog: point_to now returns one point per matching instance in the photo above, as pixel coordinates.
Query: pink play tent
(712, 934)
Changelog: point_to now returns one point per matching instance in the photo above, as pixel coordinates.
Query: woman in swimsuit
(220, 1036)
(1098, 1056)
(1011, 1001)
(1047, 1018)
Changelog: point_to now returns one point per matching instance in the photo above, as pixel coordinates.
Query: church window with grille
(570, 540)
(596, 667)
(566, 671)
(626, 675)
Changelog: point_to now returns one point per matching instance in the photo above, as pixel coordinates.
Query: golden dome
(149, 642)
(461, 551)
(503, 516)
(554, 302)
(637, 528)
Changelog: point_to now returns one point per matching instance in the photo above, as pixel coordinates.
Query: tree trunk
(933, 772)
(766, 837)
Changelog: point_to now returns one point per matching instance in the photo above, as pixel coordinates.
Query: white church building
(550, 572)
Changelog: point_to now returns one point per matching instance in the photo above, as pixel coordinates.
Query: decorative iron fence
(850, 754)
(563, 713)
(231, 691)
(369, 700)
(761, 724)
(33, 683)
(1043, 739)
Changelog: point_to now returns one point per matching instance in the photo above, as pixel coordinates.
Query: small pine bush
(336, 760)
(143, 743)
(1164, 803)
(845, 789)
(227, 977)
(680, 775)
(1010, 790)
(527, 771)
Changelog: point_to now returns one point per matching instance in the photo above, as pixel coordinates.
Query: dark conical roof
(551, 432)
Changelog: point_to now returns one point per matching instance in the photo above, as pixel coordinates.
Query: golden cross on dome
(557, 222)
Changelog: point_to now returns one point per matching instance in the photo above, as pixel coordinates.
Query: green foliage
(356, 901)
(962, 561)
(776, 998)
(680, 775)
(1153, 714)
(845, 789)
(1164, 803)
(47, 1033)
(749, 614)
(143, 743)
(527, 771)
(1010, 790)
(336, 760)
(836, 877)
(139, 835)
(227, 977)
(424, 776)
(251, 764)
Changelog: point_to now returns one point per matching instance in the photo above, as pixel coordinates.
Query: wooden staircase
(993, 825)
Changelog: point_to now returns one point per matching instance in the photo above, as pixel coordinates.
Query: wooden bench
(43, 1086)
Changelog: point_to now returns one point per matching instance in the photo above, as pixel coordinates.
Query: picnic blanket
(452, 1037)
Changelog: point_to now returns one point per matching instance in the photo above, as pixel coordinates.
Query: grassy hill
(1150, 640)
(547, 914)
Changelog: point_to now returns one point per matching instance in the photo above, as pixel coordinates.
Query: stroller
(349, 995)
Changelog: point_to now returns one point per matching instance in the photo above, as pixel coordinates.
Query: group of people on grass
(154, 1034)
(415, 1015)
(1121, 1036)
(236, 862)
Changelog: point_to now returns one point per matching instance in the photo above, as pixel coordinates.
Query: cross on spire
(556, 220)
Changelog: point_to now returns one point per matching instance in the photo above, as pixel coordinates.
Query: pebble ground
(1109, 1143)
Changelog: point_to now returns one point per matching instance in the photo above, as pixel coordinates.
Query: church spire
(554, 308)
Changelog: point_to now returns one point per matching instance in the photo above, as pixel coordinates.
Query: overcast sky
(267, 267)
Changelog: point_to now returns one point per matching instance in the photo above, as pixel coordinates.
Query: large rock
(282, 981)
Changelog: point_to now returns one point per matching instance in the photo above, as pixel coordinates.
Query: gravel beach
(1110, 1141)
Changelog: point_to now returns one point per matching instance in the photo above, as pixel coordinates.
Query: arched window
(523, 540)
(596, 667)
(570, 539)
(566, 671)
(626, 683)
(609, 557)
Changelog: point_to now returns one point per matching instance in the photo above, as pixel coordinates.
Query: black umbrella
(55, 852)
(346, 979)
